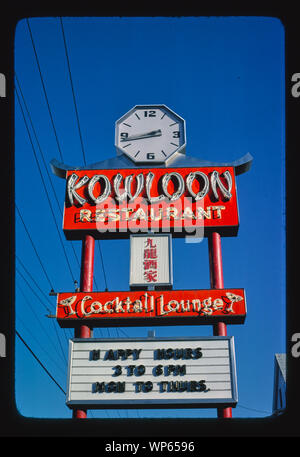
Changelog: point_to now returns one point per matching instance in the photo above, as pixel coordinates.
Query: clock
(150, 134)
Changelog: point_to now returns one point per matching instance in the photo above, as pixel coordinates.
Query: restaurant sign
(177, 307)
(152, 373)
(181, 201)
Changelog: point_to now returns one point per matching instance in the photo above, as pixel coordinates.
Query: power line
(38, 297)
(47, 309)
(49, 339)
(60, 345)
(54, 361)
(33, 291)
(37, 141)
(84, 158)
(43, 158)
(72, 88)
(123, 332)
(35, 250)
(253, 409)
(45, 188)
(39, 147)
(32, 279)
(40, 301)
(38, 360)
(78, 125)
(44, 89)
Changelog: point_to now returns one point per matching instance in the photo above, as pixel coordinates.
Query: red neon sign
(101, 309)
(115, 203)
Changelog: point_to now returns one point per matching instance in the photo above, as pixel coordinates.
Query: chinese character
(149, 243)
(150, 253)
(150, 276)
(150, 264)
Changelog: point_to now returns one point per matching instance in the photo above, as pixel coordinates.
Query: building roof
(241, 165)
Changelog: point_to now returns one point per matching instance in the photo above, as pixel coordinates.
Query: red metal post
(86, 285)
(217, 282)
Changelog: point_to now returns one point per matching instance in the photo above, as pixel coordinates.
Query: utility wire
(38, 360)
(45, 188)
(44, 162)
(72, 88)
(44, 89)
(39, 259)
(49, 339)
(54, 361)
(47, 298)
(60, 152)
(123, 332)
(58, 338)
(36, 284)
(41, 302)
(78, 125)
(33, 291)
(253, 409)
(32, 279)
(37, 141)
(52, 121)
(43, 158)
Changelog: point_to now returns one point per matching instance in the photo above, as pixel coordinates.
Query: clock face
(150, 133)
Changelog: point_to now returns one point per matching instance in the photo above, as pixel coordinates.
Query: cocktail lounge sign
(151, 307)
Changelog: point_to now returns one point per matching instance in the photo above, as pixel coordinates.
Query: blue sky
(225, 77)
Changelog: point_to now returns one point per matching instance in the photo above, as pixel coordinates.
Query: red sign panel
(181, 201)
(179, 307)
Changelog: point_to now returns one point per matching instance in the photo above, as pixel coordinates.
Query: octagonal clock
(150, 134)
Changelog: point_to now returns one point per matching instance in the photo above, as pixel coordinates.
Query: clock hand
(143, 135)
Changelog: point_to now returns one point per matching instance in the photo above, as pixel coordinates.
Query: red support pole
(86, 285)
(217, 282)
